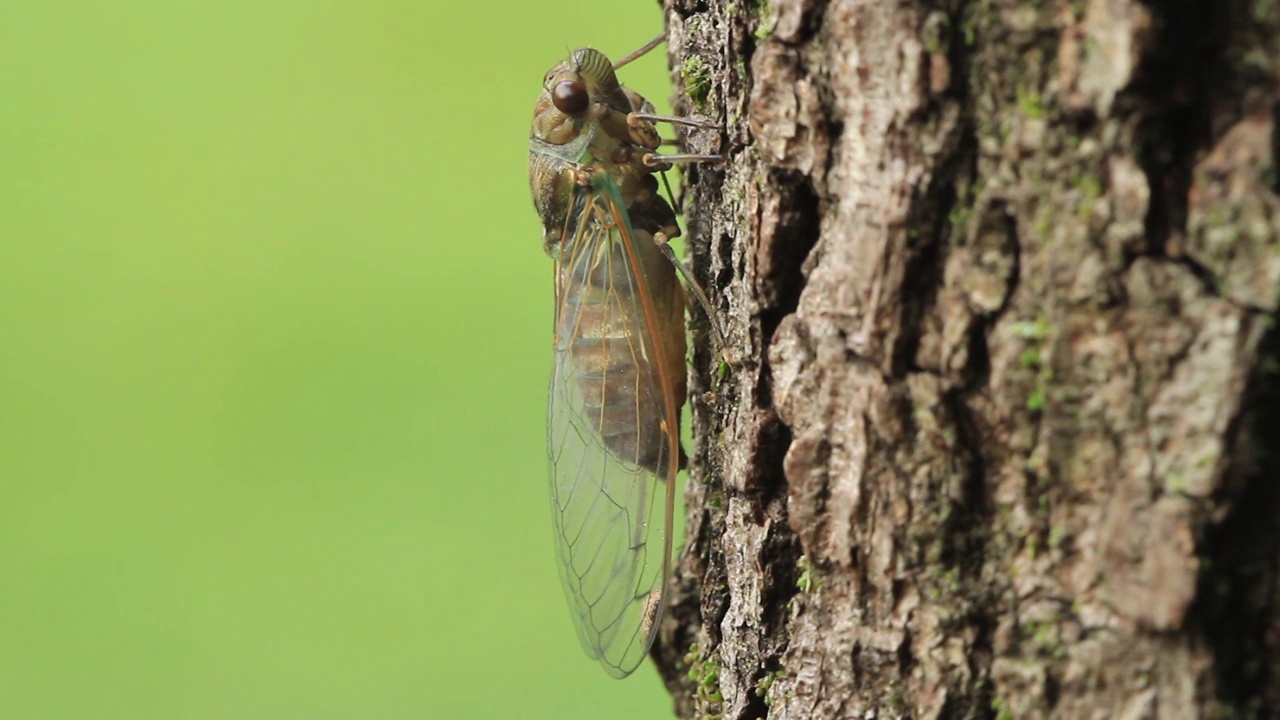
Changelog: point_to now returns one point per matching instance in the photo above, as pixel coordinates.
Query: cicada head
(569, 90)
(566, 132)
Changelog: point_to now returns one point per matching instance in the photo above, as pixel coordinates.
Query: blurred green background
(274, 341)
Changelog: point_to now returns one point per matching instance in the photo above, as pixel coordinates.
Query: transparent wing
(612, 432)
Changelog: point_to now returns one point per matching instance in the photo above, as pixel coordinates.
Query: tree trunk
(999, 281)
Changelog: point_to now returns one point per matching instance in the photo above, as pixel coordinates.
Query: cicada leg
(635, 118)
(690, 284)
(656, 161)
(641, 121)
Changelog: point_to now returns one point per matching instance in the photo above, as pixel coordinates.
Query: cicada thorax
(576, 133)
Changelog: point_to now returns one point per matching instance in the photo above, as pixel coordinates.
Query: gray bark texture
(997, 432)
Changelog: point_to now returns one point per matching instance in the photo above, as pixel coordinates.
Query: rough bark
(1000, 281)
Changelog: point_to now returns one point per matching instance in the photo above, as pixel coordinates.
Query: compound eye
(570, 97)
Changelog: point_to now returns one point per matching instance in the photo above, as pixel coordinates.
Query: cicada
(618, 375)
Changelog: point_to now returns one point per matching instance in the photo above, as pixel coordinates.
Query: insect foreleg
(638, 118)
(618, 124)
(656, 161)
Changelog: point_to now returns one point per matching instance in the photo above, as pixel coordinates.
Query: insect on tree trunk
(997, 437)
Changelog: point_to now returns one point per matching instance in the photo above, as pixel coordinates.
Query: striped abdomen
(626, 345)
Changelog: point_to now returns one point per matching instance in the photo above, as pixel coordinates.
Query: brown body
(618, 378)
(563, 146)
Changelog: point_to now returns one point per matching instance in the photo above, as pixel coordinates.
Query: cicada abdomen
(621, 321)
